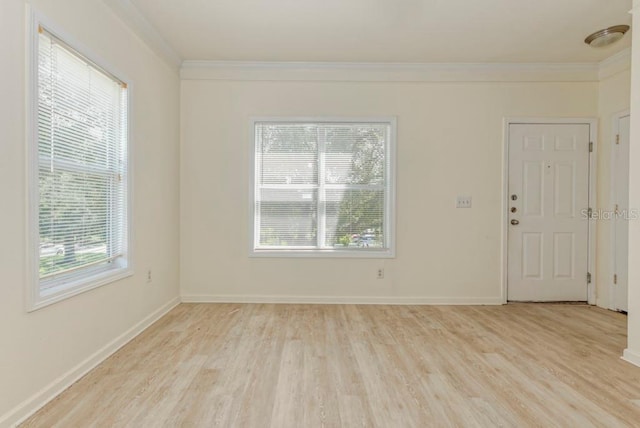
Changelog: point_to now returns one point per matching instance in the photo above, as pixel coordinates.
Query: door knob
(515, 222)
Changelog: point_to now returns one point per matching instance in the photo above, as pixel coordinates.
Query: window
(79, 172)
(323, 187)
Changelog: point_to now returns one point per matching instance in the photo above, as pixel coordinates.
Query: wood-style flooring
(249, 365)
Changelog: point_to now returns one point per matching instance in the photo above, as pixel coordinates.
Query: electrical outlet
(149, 278)
(463, 202)
(380, 273)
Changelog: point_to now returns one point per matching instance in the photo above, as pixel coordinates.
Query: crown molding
(615, 64)
(389, 72)
(134, 19)
(366, 72)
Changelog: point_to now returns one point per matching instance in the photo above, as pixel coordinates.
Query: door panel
(563, 252)
(532, 244)
(564, 190)
(548, 244)
(533, 188)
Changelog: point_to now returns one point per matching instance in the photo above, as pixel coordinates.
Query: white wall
(38, 348)
(613, 98)
(449, 143)
(449, 140)
(632, 353)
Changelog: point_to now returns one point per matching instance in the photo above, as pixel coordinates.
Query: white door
(548, 219)
(621, 217)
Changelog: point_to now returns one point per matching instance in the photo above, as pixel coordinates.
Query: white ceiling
(413, 31)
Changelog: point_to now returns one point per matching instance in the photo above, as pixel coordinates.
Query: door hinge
(588, 277)
(615, 278)
(617, 138)
(615, 210)
(590, 146)
(589, 212)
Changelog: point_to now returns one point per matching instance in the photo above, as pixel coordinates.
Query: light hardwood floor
(241, 365)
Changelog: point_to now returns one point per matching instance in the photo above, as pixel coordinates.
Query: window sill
(73, 288)
(328, 253)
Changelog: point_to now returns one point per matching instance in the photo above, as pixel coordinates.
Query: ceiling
(398, 31)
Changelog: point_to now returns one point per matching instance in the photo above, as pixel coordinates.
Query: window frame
(390, 193)
(93, 277)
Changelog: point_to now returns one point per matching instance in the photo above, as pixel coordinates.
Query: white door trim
(615, 130)
(593, 133)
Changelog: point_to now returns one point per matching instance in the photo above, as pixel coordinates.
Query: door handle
(515, 222)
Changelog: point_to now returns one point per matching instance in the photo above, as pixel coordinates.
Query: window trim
(390, 197)
(98, 277)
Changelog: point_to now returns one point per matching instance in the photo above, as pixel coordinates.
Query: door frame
(591, 238)
(615, 130)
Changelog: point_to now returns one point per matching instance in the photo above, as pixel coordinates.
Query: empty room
(376, 213)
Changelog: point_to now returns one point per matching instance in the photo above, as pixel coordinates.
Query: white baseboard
(31, 405)
(359, 300)
(631, 357)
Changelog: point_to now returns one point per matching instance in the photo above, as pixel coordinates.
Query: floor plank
(258, 365)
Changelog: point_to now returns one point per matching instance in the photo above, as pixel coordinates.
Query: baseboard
(31, 405)
(359, 300)
(631, 357)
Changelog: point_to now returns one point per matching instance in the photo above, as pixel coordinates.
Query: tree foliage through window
(322, 185)
(82, 160)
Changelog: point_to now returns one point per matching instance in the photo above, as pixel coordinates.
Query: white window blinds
(82, 165)
(322, 186)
